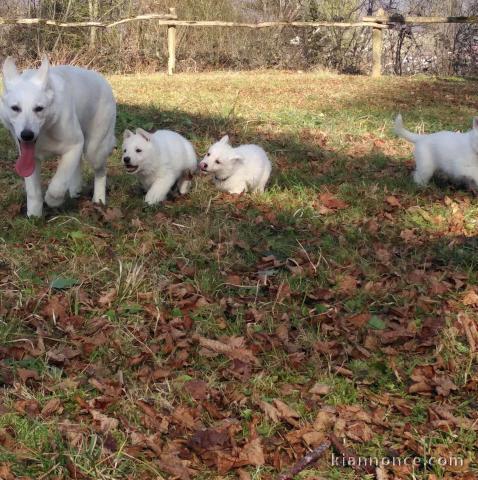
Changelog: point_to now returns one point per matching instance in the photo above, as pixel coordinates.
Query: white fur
(160, 160)
(455, 154)
(236, 170)
(78, 117)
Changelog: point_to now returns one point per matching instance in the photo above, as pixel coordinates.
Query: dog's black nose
(127, 160)
(27, 135)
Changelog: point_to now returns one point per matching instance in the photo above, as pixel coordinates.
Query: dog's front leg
(160, 189)
(234, 186)
(68, 165)
(34, 193)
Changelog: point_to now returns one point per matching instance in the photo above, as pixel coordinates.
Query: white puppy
(454, 154)
(242, 169)
(59, 111)
(161, 160)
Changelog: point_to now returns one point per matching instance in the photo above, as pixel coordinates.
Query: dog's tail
(401, 131)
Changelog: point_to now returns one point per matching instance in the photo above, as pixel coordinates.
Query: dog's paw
(153, 199)
(99, 199)
(35, 210)
(52, 200)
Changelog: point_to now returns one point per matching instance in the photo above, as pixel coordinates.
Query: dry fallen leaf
(56, 308)
(105, 424)
(287, 413)
(347, 284)
(26, 374)
(393, 201)
(6, 472)
(320, 389)
(232, 351)
(198, 389)
(51, 407)
(332, 202)
(107, 297)
(271, 412)
(252, 453)
(470, 298)
(234, 279)
(243, 475)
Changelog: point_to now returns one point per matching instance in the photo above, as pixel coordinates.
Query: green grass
(282, 275)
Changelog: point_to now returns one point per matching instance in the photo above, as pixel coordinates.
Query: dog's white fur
(77, 117)
(242, 169)
(455, 154)
(161, 160)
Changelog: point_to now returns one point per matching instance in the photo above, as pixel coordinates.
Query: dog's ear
(224, 139)
(10, 72)
(475, 123)
(236, 159)
(127, 133)
(41, 76)
(144, 134)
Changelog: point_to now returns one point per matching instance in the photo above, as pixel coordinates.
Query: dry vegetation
(141, 46)
(218, 336)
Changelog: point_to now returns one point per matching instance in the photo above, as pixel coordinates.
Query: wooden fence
(377, 23)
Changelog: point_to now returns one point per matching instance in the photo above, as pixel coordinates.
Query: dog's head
(221, 157)
(137, 150)
(25, 105)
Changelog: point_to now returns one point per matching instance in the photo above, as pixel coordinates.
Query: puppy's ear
(41, 76)
(224, 139)
(127, 133)
(10, 72)
(475, 124)
(236, 159)
(144, 134)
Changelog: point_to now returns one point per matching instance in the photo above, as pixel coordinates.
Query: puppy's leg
(262, 183)
(76, 183)
(34, 193)
(235, 187)
(425, 168)
(184, 186)
(160, 189)
(184, 183)
(60, 182)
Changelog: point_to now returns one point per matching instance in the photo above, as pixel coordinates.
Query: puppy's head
(136, 150)
(219, 158)
(26, 105)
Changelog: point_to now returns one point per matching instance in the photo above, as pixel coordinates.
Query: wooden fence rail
(377, 23)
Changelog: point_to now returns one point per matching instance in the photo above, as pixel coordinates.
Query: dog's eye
(38, 109)
(217, 161)
(16, 108)
(138, 150)
(124, 151)
(208, 154)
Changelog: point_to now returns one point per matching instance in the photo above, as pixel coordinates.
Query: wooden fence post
(172, 35)
(377, 42)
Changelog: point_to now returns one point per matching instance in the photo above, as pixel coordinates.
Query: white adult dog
(58, 111)
(454, 154)
(242, 169)
(161, 160)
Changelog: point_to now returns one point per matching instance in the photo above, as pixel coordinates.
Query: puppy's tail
(401, 131)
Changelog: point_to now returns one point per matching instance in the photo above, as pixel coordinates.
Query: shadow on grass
(304, 167)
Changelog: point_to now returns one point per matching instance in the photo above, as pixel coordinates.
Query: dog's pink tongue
(25, 165)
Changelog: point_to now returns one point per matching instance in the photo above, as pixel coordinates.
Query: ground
(218, 337)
